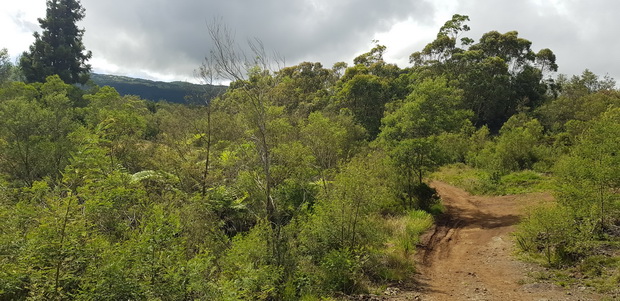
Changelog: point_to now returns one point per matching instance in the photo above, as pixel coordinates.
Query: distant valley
(176, 92)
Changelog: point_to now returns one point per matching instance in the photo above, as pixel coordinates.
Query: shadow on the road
(461, 218)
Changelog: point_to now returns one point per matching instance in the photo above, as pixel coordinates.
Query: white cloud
(18, 20)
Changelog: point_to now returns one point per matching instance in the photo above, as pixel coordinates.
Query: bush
(481, 182)
(426, 196)
(549, 231)
(342, 271)
(415, 223)
(247, 271)
(394, 263)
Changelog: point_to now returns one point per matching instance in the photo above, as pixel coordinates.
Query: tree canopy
(499, 75)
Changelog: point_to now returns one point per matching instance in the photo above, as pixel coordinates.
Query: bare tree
(229, 61)
(206, 75)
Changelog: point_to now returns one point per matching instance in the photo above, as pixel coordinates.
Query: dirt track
(468, 255)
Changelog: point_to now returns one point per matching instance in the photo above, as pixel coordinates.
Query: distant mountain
(154, 90)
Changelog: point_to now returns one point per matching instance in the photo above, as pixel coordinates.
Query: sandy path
(468, 255)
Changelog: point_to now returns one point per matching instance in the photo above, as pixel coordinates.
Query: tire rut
(468, 253)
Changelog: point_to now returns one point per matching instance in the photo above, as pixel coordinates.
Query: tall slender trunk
(208, 156)
(602, 199)
(354, 226)
(270, 205)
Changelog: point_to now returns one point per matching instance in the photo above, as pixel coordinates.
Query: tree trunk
(206, 168)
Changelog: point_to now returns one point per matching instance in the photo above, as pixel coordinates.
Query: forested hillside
(304, 182)
(177, 92)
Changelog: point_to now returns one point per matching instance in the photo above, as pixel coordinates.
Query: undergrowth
(397, 256)
(567, 245)
(482, 182)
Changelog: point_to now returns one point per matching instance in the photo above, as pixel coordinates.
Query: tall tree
(59, 48)
(411, 129)
(251, 90)
(367, 87)
(499, 75)
(5, 66)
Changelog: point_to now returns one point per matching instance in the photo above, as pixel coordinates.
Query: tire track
(468, 254)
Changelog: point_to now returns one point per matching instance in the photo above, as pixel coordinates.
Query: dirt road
(469, 254)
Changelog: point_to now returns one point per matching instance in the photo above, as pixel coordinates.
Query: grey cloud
(24, 24)
(171, 36)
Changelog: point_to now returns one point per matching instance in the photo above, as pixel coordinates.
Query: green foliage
(344, 218)
(120, 122)
(526, 181)
(247, 269)
(157, 248)
(344, 228)
(600, 272)
(406, 231)
(482, 182)
(581, 229)
(366, 88)
(341, 271)
(499, 75)
(411, 134)
(364, 96)
(582, 98)
(56, 250)
(331, 140)
(25, 140)
(426, 196)
(111, 276)
(302, 89)
(431, 109)
(519, 146)
(5, 66)
(589, 175)
(33, 134)
(549, 231)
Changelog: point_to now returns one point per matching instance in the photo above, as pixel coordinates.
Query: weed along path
(468, 255)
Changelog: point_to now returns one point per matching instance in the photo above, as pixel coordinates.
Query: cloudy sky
(167, 39)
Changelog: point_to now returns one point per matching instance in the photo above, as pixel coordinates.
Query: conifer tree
(59, 48)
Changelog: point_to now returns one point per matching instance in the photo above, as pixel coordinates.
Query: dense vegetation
(296, 183)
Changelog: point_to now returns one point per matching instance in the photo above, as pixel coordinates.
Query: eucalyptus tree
(5, 66)
(500, 75)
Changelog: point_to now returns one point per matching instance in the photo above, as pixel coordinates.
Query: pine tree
(59, 49)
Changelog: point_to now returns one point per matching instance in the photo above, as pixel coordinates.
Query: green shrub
(525, 181)
(247, 272)
(426, 196)
(394, 263)
(473, 180)
(549, 231)
(481, 182)
(342, 271)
